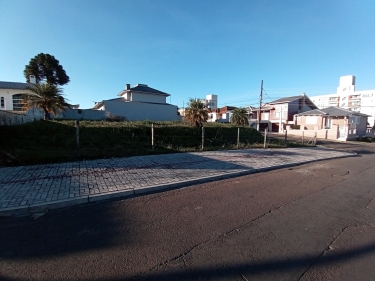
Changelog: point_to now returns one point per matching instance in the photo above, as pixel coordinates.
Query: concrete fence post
(303, 137)
(152, 137)
(77, 134)
(238, 138)
(202, 137)
(265, 138)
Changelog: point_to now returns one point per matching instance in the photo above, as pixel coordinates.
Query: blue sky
(191, 48)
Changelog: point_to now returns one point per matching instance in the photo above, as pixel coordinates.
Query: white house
(11, 96)
(140, 102)
(347, 97)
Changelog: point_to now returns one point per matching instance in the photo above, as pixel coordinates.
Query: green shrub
(295, 127)
(55, 141)
(366, 139)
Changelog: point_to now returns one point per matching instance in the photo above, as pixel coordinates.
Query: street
(310, 222)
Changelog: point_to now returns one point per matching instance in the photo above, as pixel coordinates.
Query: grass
(43, 142)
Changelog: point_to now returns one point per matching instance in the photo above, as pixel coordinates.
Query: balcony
(355, 97)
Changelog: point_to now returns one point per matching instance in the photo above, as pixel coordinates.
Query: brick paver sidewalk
(28, 189)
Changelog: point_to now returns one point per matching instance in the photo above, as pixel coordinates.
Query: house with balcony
(276, 115)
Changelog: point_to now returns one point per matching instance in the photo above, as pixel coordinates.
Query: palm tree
(196, 113)
(239, 117)
(47, 97)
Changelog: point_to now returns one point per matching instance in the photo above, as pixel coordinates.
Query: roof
(332, 111)
(263, 108)
(313, 112)
(13, 85)
(287, 99)
(142, 88)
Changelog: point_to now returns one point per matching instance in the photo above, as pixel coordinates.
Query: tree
(46, 69)
(47, 97)
(196, 113)
(239, 117)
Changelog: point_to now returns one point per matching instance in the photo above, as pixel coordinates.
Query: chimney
(127, 86)
(32, 79)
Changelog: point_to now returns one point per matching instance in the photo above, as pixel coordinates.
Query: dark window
(18, 102)
(79, 111)
(2, 102)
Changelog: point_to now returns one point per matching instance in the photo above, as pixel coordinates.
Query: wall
(321, 134)
(142, 111)
(148, 98)
(13, 118)
(80, 114)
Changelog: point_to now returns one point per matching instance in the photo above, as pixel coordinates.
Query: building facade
(348, 98)
(11, 104)
(140, 102)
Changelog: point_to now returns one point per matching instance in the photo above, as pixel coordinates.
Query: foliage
(54, 141)
(47, 97)
(196, 113)
(42, 142)
(295, 127)
(366, 139)
(46, 69)
(239, 117)
(114, 118)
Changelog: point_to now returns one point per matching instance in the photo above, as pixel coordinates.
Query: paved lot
(29, 189)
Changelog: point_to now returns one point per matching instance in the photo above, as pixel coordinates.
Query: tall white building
(348, 98)
(211, 102)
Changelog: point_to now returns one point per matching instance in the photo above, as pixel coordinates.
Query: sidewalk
(30, 189)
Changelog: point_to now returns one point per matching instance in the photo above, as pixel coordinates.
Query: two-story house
(277, 114)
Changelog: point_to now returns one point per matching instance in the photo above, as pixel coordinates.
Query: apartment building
(347, 97)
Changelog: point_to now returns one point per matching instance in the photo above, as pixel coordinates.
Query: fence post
(265, 138)
(286, 135)
(303, 137)
(202, 137)
(315, 138)
(238, 138)
(77, 134)
(152, 137)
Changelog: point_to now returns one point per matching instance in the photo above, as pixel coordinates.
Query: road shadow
(61, 232)
(249, 269)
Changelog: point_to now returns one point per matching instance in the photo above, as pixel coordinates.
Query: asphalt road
(311, 222)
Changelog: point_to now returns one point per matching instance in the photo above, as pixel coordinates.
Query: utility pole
(260, 104)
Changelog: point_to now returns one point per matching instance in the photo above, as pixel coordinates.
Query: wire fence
(60, 141)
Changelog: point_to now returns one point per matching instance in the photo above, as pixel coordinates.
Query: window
(2, 102)
(18, 102)
(354, 120)
(311, 120)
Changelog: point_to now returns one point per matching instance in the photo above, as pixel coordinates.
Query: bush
(295, 127)
(43, 142)
(115, 118)
(366, 139)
